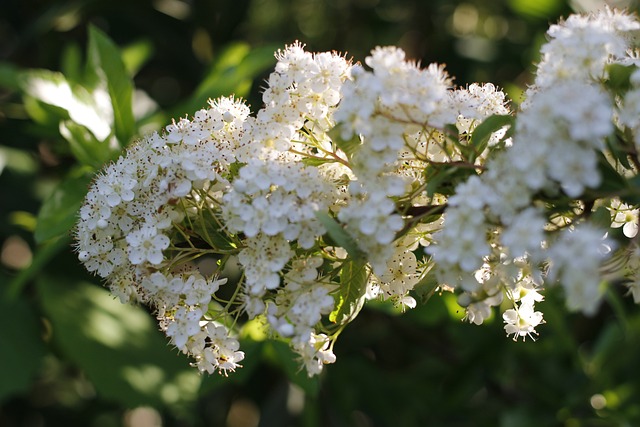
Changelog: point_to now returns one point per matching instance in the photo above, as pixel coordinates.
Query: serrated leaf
(21, 344)
(340, 236)
(105, 56)
(58, 213)
(85, 147)
(351, 294)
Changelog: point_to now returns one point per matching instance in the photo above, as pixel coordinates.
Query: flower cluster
(531, 208)
(381, 180)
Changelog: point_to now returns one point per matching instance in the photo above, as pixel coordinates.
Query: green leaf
(58, 100)
(232, 73)
(309, 161)
(540, 9)
(58, 213)
(210, 230)
(135, 55)
(612, 181)
(620, 144)
(21, 344)
(46, 96)
(106, 58)
(340, 236)
(633, 195)
(601, 217)
(351, 295)
(425, 288)
(72, 63)
(349, 147)
(84, 145)
(118, 346)
(482, 133)
(619, 77)
(443, 178)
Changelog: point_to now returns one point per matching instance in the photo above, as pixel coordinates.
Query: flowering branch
(353, 183)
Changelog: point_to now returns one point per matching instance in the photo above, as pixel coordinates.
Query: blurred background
(72, 355)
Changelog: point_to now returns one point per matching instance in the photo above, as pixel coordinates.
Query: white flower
(624, 216)
(315, 353)
(522, 321)
(146, 244)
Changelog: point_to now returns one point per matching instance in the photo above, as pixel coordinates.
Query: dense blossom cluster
(356, 182)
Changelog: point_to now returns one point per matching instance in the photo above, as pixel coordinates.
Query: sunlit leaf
(535, 8)
(84, 146)
(74, 101)
(118, 346)
(351, 294)
(105, 56)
